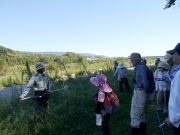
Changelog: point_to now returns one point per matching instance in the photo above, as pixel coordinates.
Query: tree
(169, 3)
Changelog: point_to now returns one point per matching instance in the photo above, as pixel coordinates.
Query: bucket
(98, 119)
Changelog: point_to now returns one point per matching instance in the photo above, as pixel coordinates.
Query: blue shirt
(141, 76)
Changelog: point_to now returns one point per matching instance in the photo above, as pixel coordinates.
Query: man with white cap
(173, 119)
(141, 84)
(40, 83)
(168, 59)
(122, 73)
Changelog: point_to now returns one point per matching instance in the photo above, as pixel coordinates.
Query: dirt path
(7, 93)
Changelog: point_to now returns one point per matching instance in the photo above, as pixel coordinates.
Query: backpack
(151, 87)
(111, 102)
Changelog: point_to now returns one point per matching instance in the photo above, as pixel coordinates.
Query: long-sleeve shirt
(160, 82)
(141, 76)
(121, 73)
(174, 101)
(100, 101)
(39, 82)
(170, 70)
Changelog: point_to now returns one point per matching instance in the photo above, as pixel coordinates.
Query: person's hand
(168, 122)
(19, 98)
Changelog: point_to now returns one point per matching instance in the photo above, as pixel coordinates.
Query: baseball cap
(176, 49)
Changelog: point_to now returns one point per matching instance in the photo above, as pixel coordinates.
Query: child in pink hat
(100, 82)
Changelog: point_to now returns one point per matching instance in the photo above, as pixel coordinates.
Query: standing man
(122, 74)
(141, 84)
(173, 119)
(168, 59)
(40, 83)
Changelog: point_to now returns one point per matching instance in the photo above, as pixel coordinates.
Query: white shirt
(161, 85)
(174, 101)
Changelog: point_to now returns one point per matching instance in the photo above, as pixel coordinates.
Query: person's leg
(159, 100)
(105, 125)
(165, 110)
(176, 130)
(143, 128)
(167, 97)
(46, 108)
(38, 110)
(126, 83)
(137, 111)
(121, 86)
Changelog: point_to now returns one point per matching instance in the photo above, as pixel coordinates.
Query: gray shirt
(39, 82)
(121, 73)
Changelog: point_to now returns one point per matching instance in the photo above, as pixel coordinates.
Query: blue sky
(111, 28)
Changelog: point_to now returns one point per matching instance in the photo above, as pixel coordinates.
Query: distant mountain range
(89, 55)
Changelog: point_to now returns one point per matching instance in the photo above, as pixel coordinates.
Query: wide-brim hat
(135, 56)
(120, 65)
(103, 86)
(40, 65)
(162, 65)
(167, 57)
(176, 49)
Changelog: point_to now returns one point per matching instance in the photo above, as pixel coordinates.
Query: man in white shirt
(174, 101)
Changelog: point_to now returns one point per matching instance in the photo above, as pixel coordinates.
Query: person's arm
(144, 76)
(174, 115)
(28, 87)
(100, 103)
(99, 107)
(115, 73)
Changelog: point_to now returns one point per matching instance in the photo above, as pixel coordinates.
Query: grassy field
(72, 112)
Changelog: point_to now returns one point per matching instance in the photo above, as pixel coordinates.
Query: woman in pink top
(100, 82)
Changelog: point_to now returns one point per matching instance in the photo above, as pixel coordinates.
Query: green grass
(72, 112)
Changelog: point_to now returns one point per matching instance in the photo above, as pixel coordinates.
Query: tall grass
(72, 112)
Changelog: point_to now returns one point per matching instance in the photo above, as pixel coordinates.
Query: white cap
(167, 57)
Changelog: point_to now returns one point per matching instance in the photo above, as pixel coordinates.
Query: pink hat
(100, 82)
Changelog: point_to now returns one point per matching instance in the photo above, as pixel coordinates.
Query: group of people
(167, 87)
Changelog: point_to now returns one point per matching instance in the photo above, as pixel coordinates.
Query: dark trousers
(126, 83)
(105, 125)
(176, 130)
(167, 97)
(41, 107)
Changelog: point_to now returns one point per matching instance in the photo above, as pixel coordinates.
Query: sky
(114, 28)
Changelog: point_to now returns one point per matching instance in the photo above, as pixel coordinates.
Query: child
(161, 86)
(100, 82)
